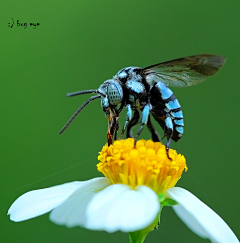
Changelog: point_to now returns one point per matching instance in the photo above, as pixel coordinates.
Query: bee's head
(111, 94)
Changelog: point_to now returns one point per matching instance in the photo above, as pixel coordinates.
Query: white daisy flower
(138, 183)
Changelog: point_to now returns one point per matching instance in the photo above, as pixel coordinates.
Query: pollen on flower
(147, 164)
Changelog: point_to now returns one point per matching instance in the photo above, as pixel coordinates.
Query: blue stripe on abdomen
(179, 129)
(179, 122)
(177, 114)
(172, 104)
(165, 91)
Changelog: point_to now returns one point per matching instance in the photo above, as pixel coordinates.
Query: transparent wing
(184, 71)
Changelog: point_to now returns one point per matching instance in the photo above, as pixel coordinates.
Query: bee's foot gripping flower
(140, 181)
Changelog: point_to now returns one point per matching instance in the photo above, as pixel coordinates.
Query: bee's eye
(114, 93)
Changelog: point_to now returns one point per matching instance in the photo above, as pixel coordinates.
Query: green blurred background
(77, 46)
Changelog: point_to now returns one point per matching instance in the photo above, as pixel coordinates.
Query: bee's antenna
(78, 111)
(85, 92)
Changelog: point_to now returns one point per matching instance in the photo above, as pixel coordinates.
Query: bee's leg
(155, 136)
(116, 130)
(111, 127)
(168, 131)
(167, 147)
(144, 120)
(132, 123)
(128, 118)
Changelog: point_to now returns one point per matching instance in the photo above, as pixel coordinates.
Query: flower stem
(137, 237)
(140, 235)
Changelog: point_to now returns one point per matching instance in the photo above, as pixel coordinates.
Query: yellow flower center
(147, 164)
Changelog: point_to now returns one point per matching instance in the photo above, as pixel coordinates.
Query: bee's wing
(184, 71)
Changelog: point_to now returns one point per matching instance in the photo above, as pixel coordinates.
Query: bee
(145, 92)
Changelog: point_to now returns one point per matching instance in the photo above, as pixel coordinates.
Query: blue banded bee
(145, 91)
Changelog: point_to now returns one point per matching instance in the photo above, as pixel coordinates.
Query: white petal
(201, 219)
(119, 207)
(38, 202)
(72, 212)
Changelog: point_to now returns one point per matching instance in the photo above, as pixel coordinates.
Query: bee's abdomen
(165, 104)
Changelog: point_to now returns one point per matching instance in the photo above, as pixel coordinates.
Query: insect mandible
(145, 91)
